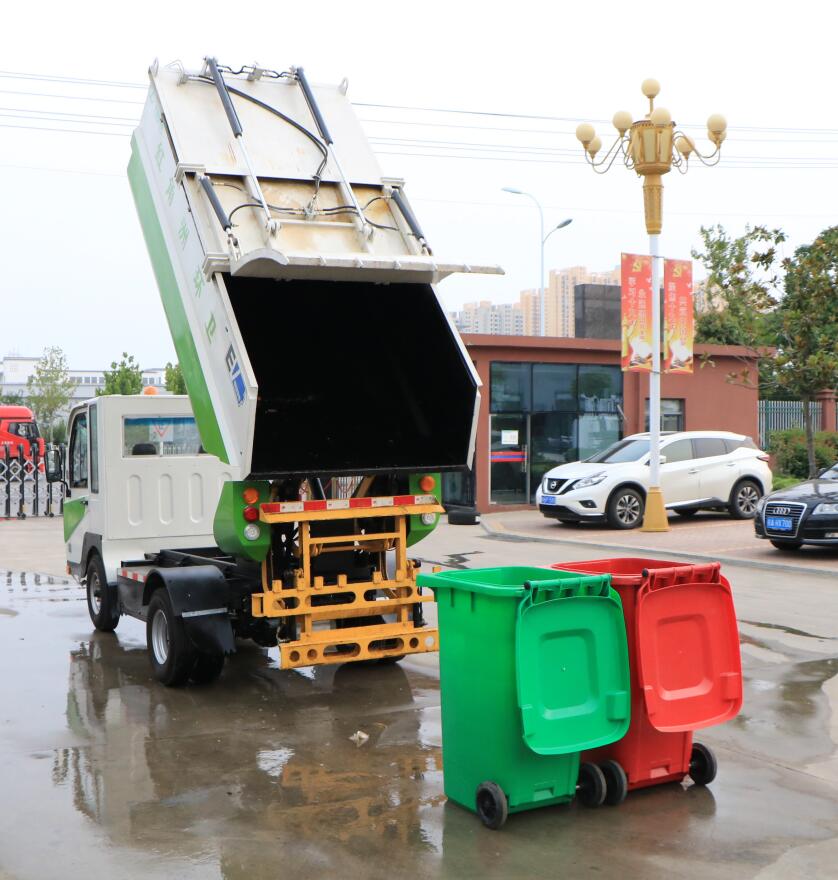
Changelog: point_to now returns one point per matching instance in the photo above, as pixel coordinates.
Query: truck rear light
(250, 495)
(428, 519)
(251, 514)
(252, 532)
(427, 483)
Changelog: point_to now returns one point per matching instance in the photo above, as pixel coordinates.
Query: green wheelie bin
(533, 669)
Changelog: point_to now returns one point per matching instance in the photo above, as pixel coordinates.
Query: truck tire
(171, 653)
(207, 667)
(102, 602)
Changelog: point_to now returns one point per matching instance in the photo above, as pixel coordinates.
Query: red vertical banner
(678, 321)
(636, 312)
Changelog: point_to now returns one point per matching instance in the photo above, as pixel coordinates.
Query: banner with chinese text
(636, 312)
(678, 322)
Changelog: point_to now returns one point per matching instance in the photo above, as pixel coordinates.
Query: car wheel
(787, 546)
(625, 508)
(743, 499)
(102, 603)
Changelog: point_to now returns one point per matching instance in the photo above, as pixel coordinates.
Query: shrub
(789, 448)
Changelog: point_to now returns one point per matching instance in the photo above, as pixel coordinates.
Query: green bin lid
(572, 665)
(501, 582)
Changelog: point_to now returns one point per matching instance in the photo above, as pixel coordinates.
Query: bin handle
(584, 585)
(704, 572)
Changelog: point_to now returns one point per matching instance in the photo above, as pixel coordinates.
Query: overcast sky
(75, 269)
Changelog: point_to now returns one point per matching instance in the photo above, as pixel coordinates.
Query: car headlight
(760, 504)
(591, 480)
(825, 508)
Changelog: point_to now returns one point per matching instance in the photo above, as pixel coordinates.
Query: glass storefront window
(553, 443)
(545, 415)
(597, 432)
(510, 387)
(600, 388)
(554, 387)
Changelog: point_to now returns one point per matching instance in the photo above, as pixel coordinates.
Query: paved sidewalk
(707, 536)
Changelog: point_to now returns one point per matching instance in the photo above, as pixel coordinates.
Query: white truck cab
(138, 481)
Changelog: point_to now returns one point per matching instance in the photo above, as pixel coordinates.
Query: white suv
(699, 470)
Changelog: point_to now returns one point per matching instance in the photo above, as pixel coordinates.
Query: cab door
(76, 504)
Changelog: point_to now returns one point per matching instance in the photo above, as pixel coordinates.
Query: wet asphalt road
(107, 774)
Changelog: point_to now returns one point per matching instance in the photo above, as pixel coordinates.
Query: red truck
(18, 429)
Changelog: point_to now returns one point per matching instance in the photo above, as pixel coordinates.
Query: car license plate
(548, 499)
(778, 523)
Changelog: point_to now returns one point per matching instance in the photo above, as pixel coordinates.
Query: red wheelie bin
(684, 666)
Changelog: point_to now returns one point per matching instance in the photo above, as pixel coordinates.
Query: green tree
(49, 388)
(13, 399)
(783, 311)
(807, 356)
(174, 379)
(59, 431)
(125, 377)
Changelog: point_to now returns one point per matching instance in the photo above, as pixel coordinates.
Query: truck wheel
(102, 604)
(207, 667)
(169, 649)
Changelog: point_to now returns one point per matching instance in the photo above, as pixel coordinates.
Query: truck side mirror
(53, 465)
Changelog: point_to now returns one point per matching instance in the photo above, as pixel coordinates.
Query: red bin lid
(689, 665)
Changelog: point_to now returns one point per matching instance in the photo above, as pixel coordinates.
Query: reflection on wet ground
(259, 776)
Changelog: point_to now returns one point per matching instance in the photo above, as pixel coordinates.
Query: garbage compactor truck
(297, 284)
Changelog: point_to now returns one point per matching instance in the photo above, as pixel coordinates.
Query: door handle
(693, 471)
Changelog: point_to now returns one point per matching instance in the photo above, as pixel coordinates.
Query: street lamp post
(543, 239)
(652, 147)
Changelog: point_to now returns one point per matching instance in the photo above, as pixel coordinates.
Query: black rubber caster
(703, 766)
(616, 782)
(491, 805)
(590, 790)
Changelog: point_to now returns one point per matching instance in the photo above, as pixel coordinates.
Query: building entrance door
(509, 460)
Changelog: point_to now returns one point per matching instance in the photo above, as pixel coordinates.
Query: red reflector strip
(346, 503)
(132, 575)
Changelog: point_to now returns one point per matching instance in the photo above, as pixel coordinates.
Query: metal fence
(780, 415)
(24, 490)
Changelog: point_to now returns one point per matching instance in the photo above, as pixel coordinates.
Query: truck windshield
(624, 450)
(160, 435)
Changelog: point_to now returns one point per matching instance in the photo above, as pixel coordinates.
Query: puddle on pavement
(257, 776)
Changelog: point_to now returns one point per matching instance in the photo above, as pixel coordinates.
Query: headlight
(825, 508)
(760, 504)
(592, 480)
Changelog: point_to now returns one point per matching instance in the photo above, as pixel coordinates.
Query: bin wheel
(616, 782)
(703, 766)
(591, 786)
(492, 807)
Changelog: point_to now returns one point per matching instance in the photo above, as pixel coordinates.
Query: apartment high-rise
(524, 317)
